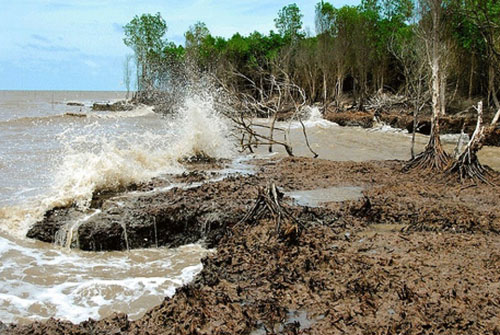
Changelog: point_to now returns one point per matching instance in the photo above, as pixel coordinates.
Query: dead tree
(433, 157)
(467, 165)
(274, 97)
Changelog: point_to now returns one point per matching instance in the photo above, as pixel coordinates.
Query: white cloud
(86, 33)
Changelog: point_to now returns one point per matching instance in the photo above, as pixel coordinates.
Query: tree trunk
(492, 94)
(324, 89)
(467, 166)
(442, 91)
(433, 157)
(471, 76)
(339, 87)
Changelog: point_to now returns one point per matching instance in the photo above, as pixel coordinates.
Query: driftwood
(251, 138)
(269, 202)
(382, 101)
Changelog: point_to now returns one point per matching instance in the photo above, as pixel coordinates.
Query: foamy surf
(56, 159)
(110, 151)
(312, 118)
(38, 283)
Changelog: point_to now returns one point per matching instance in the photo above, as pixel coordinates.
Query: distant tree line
(357, 51)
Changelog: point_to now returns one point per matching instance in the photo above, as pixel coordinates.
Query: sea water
(53, 154)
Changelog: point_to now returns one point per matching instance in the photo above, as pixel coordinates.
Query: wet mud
(403, 119)
(416, 254)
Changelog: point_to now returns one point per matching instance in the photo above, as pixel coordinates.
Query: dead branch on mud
(269, 202)
(467, 165)
(382, 101)
(251, 138)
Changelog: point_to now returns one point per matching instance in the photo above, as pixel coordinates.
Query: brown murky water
(40, 144)
(50, 157)
(317, 197)
(337, 143)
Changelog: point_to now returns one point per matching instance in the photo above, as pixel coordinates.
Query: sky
(78, 44)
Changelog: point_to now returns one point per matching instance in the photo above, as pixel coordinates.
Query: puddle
(297, 317)
(315, 198)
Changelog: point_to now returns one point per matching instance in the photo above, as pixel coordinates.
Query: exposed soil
(403, 119)
(418, 254)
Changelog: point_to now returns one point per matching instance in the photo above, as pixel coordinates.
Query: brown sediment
(351, 119)
(416, 255)
(402, 119)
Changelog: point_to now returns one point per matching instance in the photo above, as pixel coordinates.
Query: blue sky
(77, 45)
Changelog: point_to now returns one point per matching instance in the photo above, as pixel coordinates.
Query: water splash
(38, 282)
(202, 131)
(312, 117)
(101, 154)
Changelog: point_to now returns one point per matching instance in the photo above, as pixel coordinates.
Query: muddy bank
(145, 219)
(402, 119)
(177, 215)
(415, 255)
(118, 106)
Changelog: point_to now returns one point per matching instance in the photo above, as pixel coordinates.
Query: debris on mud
(415, 255)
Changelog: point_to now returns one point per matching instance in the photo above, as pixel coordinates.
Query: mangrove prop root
(269, 202)
(433, 158)
(467, 165)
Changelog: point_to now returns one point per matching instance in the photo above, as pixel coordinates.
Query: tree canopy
(357, 50)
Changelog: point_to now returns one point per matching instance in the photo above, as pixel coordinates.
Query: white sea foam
(385, 128)
(313, 118)
(65, 160)
(111, 150)
(201, 130)
(39, 282)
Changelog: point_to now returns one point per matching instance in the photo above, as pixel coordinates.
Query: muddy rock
(403, 119)
(173, 218)
(351, 119)
(52, 222)
(112, 107)
(77, 104)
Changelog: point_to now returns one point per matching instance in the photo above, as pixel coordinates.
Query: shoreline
(355, 266)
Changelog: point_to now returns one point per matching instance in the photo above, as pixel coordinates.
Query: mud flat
(415, 254)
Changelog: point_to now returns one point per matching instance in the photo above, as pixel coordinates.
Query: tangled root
(433, 158)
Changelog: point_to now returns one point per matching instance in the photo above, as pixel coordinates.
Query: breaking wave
(312, 118)
(112, 154)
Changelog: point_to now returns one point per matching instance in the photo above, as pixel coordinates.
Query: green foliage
(289, 22)
(144, 34)
(324, 17)
(196, 35)
(370, 46)
(173, 53)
